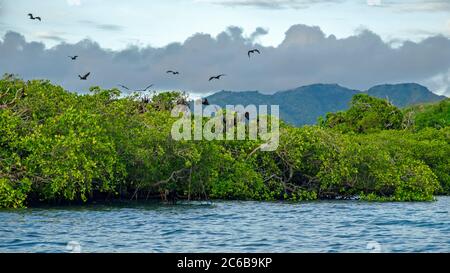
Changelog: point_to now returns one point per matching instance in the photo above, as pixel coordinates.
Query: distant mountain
(404, 94)
(305, 104)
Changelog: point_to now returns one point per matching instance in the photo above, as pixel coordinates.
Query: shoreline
(185, 202)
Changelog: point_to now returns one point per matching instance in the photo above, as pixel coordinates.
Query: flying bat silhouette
(124, 87)
(34, 18)
(145, 89)
(137, 90)
(83, 78)
(252, 52)
(216, 77)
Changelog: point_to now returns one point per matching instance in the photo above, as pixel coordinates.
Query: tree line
(59, 147)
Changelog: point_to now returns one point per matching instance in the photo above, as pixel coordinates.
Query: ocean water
(230, 226)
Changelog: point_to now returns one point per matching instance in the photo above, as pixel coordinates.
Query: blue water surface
(322, 226)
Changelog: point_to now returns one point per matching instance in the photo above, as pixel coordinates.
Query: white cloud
(419, 5)
(271, 4)
(74, 2)
(440, 83)
(374, 2)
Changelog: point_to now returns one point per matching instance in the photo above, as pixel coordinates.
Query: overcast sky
(355, 43)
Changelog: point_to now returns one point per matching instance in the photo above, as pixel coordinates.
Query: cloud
(396, 5)
(100, 26)
(53, 36)
(271, 4)
(74, 2)
(440, 83)
(305, 56)
(417, 5)
(258, 32)
(374, 3)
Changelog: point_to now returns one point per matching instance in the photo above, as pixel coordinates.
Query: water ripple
(334, 226)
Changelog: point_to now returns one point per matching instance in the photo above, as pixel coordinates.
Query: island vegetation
(61, 147)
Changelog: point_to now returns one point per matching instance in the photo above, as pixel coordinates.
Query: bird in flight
(205, 101)
(216, 77)
(173, 72)
(124, 87)
(34, 18)
(145, 89)
(73, 57)
(83, 78)
(252, 52)
(137, 90)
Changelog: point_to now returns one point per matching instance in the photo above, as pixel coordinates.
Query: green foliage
(366, 114)
(13, 194)
(14, 186)
(429, 146)
(57, 146)
(69, 157)
(435, 115)
(391, 176)
(332, 165)
(425, 148)
(167, 100)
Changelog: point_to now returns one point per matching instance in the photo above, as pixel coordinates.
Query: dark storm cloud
(105, 27)
(305, 56)
(272, 4)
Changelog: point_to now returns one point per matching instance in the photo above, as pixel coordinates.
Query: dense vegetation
(57, 146)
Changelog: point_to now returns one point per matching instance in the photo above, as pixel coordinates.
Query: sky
(355, 43)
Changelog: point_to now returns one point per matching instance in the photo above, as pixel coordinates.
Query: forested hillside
(304, 105)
